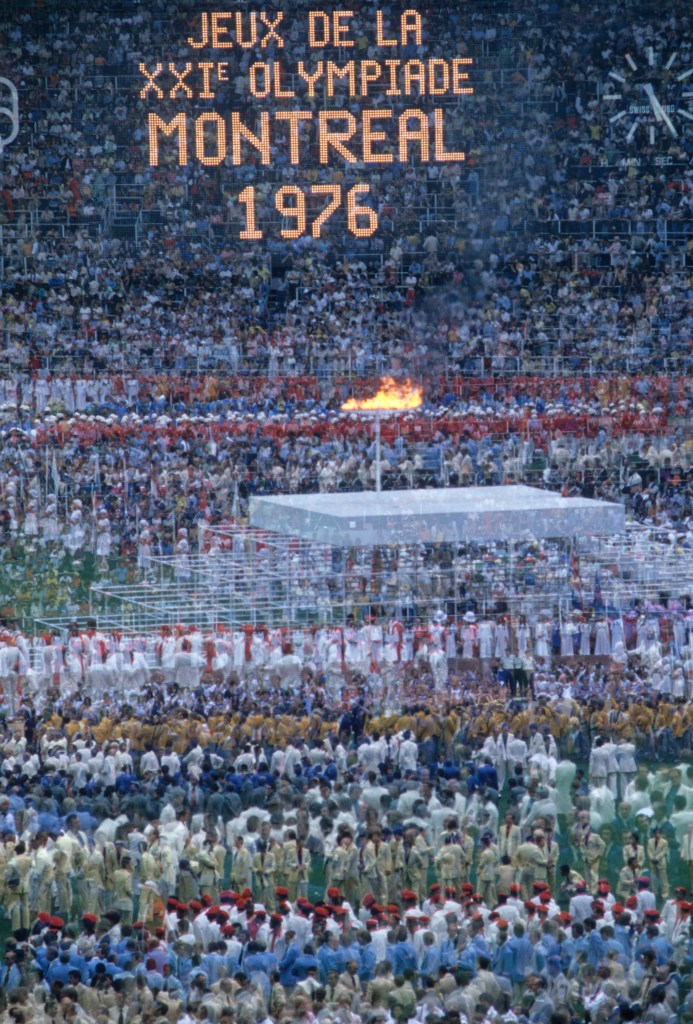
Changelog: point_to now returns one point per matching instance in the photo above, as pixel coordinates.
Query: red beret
(43, 917)
(332, 892)
(435, 887)
(282, 892)
(206, 899)
(55, 922)
(371, 923)
(545, 897)
(502, 923)
(92, 918)
(407, 894)
(321, 912)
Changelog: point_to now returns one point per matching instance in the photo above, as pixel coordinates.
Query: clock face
(650, 95)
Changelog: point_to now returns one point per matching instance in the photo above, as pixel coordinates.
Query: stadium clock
(651, 95)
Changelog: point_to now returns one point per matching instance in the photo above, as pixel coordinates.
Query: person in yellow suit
(208, 868)
(149, 895)
(466, 845)
(377, 866)
(295, 864)
(94, 882)
(264, 870)
(658, 856)
(486, 870)
(633, 849)
(17, 886)
(43, 875)
(6, 852)
(241, 866)
(448, 864)
(122, 890)
(345, 870)
(414, 865)
(592, 850)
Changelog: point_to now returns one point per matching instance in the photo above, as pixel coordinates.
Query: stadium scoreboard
(330, 108)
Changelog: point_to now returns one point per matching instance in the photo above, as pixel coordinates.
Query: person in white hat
(469, 635)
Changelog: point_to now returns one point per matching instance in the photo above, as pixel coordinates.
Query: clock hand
(653, 101)
(667, 121)
(659, 112)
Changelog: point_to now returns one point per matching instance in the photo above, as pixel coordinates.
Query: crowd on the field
(221, 854)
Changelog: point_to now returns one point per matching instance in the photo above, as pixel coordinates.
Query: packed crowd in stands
(548, 245)
(189, 833)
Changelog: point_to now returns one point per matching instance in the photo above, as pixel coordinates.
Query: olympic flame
(391, 397)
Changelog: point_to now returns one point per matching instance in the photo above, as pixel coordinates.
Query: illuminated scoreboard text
(334, 109)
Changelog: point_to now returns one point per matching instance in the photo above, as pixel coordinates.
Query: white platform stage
(453, 515)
